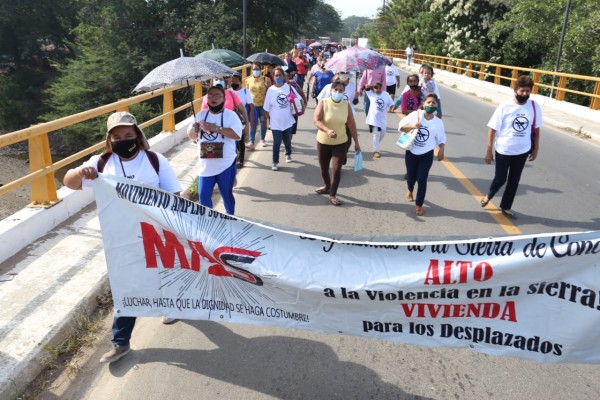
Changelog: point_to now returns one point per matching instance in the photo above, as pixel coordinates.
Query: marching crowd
(274, 96)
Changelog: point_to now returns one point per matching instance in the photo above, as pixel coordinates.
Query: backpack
(151, 156)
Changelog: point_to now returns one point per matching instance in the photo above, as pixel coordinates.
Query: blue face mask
(256, 72)
(337, 96)
(279, 81)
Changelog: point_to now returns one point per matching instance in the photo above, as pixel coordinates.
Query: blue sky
(361, 8)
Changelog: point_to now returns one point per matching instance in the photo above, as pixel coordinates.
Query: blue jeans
(258, 118)
(409, 58)
(225, 180)
(278, 136)
(508, 170)
(367, 103)
(417, 170)
(122, 328)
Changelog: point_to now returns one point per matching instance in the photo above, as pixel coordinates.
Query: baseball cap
(123, 118)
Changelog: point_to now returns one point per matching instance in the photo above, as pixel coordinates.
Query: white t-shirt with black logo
(391, 72)
(431, 133)
(214, 166)
(278, 107)
(512, 123)
(378, 109)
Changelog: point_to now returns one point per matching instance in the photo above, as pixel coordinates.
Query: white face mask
(344, 77)
(219, 83)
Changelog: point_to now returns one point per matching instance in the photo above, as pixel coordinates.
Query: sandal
(409, 196)
(322, 190)
(484, 202)
(509, 214)
(335, 201)
(420, 211)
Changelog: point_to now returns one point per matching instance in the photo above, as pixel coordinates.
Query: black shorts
(391, 89)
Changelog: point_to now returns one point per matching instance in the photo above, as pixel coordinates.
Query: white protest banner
(533, 297)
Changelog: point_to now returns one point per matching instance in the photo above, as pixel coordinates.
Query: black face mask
(125, 148)
(414, 87)
(235, 86)
(216, 109)
(521, 99)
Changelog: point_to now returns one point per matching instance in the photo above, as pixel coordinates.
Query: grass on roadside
(64, 356)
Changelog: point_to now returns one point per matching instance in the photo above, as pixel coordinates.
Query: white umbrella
(182, 71)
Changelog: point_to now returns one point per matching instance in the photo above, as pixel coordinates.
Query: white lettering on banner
(531, 297)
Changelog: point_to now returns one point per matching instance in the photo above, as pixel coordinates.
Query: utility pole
(244, 25)
(560, 45)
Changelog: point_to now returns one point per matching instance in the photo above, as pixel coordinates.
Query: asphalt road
(203, 360)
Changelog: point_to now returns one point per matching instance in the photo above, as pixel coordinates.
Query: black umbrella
(266, 58)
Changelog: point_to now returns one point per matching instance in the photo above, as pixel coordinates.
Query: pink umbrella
(356, 58)
(316, 44)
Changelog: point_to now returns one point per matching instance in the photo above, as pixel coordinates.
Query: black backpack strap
(152, 157)
(153, 160)
(102, 161)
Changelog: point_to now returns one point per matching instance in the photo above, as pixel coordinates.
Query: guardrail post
(562, 83)
(514, 76)
(498, 75)
(481, 72)
(197, 96)
(470, 70)
(43, 189)
(459, 67)
(536, 80)
(168, 121)
(595, 104)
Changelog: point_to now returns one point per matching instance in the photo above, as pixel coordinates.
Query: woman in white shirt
(513, 135)
(126, 154)
(216, 131)
(419, 158)
(277, 107)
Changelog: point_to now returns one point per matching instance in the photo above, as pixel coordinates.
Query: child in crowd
(376, 118)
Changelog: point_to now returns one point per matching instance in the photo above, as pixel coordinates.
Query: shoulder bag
(295, 103)
(406, 139)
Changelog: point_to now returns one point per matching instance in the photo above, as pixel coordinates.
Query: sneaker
(168, 321)
(288, 158)
(263, 143)
(250, 146)
(274, 167)
(116, 353)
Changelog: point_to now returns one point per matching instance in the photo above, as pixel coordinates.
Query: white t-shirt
(244, 95)
(429, 87)
(349, 92)
(431, 133)
(214, 166)
(378, 109)
(139, 169)
(512, 123)
(391, 72)
(409, 51)
(278, 106)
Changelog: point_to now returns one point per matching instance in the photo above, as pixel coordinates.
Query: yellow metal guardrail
(41, 167)
(483, 70)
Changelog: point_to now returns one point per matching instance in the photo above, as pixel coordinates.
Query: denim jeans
(417, 170)
(258, 118)
(224, 180)
(508, 170)
(121, 329)
(367, 103)
(278, 136)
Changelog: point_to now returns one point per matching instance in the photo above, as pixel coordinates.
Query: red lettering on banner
(435, 275)
(504, 311)
(224, 262)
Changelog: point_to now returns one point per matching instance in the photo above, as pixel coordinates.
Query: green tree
(323, 20)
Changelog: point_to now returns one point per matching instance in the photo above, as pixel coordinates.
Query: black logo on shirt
(380, 104)
(422, 136)
(282, 100)
(520, 124)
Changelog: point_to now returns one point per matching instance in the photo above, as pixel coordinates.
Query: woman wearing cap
(126, 154)
(277, 107)
(216, 131)
(331, 117)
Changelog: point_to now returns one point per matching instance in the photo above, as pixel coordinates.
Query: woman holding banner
(126, 154)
